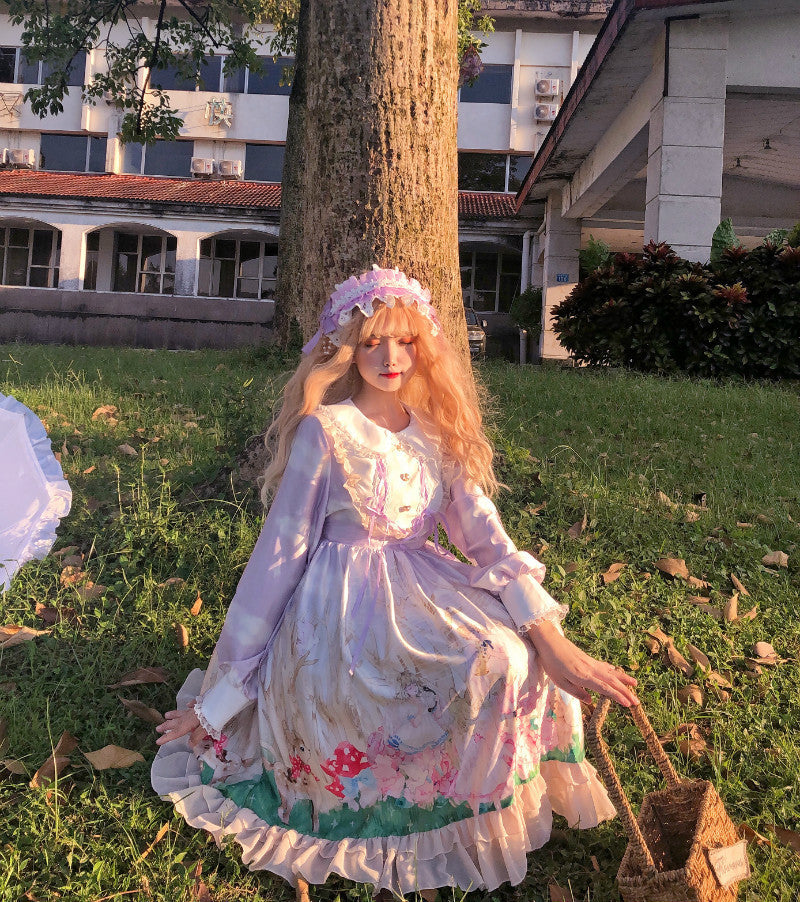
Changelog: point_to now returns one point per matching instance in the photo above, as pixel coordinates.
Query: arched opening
(30, 253)
(130, 257)
(238, 264)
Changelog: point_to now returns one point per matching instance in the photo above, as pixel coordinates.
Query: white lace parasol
(34, 495)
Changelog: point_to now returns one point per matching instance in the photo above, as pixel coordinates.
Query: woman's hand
(177, 724)
(574, 671)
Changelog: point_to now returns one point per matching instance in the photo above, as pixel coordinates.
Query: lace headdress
(360, 293)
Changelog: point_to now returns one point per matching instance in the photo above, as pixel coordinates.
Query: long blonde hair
(441, 392)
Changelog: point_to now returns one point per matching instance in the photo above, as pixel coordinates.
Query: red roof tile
(107, 186)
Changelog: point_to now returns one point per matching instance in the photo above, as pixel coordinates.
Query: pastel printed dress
(371, 707)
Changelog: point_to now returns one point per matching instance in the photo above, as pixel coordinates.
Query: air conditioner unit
(230, 169)
(202, 167)
(548, 87)
(546, 112)
(20, 158)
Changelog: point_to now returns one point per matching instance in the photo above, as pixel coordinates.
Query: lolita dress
(371, 709)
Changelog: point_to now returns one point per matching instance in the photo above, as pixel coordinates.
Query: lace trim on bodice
(373, 488)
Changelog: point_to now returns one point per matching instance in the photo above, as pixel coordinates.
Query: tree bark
(370, 173)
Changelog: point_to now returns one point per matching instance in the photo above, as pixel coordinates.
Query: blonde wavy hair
(441, 392)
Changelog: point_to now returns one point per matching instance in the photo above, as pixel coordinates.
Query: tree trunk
(370, 174)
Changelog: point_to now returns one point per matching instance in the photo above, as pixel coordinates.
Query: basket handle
(611, 779)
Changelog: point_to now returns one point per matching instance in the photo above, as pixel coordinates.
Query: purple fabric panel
(288, 538)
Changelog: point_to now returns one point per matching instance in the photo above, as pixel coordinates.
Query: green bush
(526, 311)
(660, 313)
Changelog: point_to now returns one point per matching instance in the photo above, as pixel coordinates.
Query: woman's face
(386, 362)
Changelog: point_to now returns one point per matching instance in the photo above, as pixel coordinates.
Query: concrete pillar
(186, 262)
(105, 260)
(73, 254)
(687, 131)
(562, 242)
(537, 268)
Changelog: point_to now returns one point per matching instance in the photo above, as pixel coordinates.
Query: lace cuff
(527, 603)
(219, 704)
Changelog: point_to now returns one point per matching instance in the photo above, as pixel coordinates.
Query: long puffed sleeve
(288, 538)
(473, 525)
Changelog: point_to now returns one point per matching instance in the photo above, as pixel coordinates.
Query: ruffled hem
(42, 533)
(480, 852)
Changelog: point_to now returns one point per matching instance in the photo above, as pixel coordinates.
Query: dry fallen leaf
(72, 575)
(57, 762)
(125, 448)
(571, 567)
(691, 693)
(689, 739)
(578, 527)
(72, 560)
(776, 559)
(142, 675)
(613, 573)
(675, 659)
(692, 516)
(90, 591)
(743, 525)
(69, 549)
(182, 635)
(195, 608)
(107, 413)
(51, 615)
(717, 679)
(731, 610)
(536, 509)
(560, 893)
(698, 657)
(142, 711)
(764, 653)
(89, 470)
(750, 615)
(11, 635)
(14, 766)
(659, 635)
(696, 583)
(159, 836)
(111, 756)
(790, 838)
(739, 585)
(172, 581)
(673, 566)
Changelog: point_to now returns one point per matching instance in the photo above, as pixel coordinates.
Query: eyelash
(374, 342)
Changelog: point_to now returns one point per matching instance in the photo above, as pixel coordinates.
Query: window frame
(237, 277)
(52, 267)
(156, 175)
(15, 73)
(509, 70)
(87, 155)
(39, 69)
(499, 273)
(162, 272)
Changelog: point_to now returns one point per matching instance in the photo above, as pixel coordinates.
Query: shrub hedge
(660, 313)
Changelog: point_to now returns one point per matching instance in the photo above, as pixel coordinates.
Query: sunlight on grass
(571, 443)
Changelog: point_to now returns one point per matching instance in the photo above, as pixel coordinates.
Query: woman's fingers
(175, 725)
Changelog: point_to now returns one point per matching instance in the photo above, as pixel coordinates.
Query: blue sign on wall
(562, 277)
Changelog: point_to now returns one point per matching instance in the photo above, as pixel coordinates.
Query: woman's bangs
(399, 321)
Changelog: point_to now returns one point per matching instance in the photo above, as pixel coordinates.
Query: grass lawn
(574, 447)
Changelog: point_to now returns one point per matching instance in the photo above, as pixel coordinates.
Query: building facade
(175, 243)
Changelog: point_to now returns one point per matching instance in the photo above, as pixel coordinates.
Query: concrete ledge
(133, 320)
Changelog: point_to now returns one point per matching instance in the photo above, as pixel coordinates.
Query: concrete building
(176, 243)
(682, 115)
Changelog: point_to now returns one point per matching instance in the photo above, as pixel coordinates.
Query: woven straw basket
(667, 859)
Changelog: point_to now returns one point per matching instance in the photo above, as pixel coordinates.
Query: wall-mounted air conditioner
(230, 169)
(202, 167)
(545, 112)
(548, 87)
(20, 158)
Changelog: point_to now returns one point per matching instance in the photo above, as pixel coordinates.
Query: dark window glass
(510, 275)
(42, 247)
(97, 153)
(482, 171)
(485, 292)
(90, 265)
(210, 73)
(263, 162)
(269, 272)
(225, 249)
(17, 266)
(493, 85)
(519, 167)
(39, 277)
(132, 159)
(127, 243)
(63, 153)
(169, 158)
(234, 81)
(268, 80)
(28, 71)
(8, 59)
(18, 237)
(205, 247)
(171, 79)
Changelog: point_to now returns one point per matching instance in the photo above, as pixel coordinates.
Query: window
(263, 162)
(8, 64)
(36, 71)
(161, 158)
(172, 78)
(73, 153)
(482, 171)
(90, 264)
(493, 85)
(268, 80)
(231, 268)
(489, 281)
(492, 171)
(29, 257)
(144, 264)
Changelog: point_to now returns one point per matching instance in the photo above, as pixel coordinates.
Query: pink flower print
(390, 780)
(423, 794)
(219, 746)
(376, 744)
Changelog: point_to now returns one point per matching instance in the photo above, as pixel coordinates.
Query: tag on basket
(730, 863)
